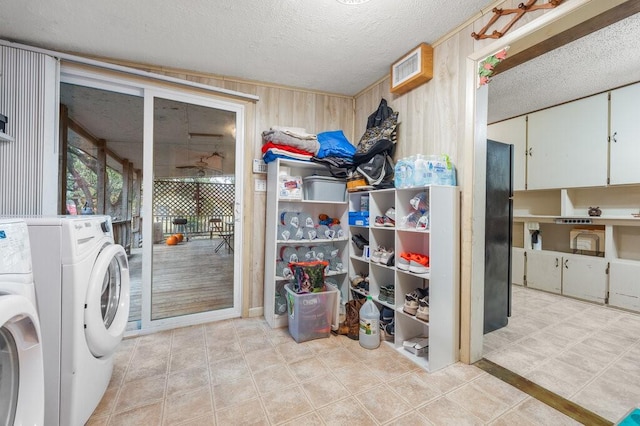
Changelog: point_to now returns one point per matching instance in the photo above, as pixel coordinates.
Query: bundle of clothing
(329, 148)
(288, 142)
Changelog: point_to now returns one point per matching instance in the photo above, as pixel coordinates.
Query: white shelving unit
(276, 205)
(441, 243)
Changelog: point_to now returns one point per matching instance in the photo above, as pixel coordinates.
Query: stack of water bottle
(422, 170)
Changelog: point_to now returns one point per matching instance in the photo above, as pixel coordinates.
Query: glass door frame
(147, 211)
(96, 78)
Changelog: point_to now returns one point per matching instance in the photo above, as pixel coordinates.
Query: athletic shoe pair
(411, 300)
(383, 256)
(388, 220)
(387, 294)
(413, 262)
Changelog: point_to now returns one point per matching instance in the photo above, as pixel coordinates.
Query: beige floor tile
(412, 418)
(323, 390)
(356, 380)
(223, 350)
(293, 352)
(118, 373)
(477, 402)
(518, 359)
(279, 336)
(264, 358)
(148, 415)
(98, 421)
(186, 380)
(254, 342)
(187, 406)
(609, 398)
(511, 418)
(627, 326)
(493, 341)
(159, 339)
(188, 340)
(591, 360)
(545, 343)
(443, 411)
(141, 368)
(319, 346)
(340, 357)
(393, 366)
(571, 330)
(383, 403)
(189, 357)
(206, 420)
(107, 403)
(140, 392)
(413, 389)
(249, 412)
(443, 380)
(346, 411)
(559, 377)
(233, 392)
(228, 369)
(610, 343)
(311, 419)
(307, 369)
(499, 390)
(273, 378)
(541, 414)
(286, 404)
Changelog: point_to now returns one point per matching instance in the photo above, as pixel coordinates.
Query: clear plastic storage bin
(311, 314)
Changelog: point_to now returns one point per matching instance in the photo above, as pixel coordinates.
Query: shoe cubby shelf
(276, 205)
(440, 241)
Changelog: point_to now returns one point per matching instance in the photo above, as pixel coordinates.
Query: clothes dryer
(21, 364)
(82, 280)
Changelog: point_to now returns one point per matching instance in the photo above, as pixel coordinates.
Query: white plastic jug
(369, 334)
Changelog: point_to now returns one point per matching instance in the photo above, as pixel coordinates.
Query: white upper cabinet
(568, 145)
(625, 135)
(513, 131)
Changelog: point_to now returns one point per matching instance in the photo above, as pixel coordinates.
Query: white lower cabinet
(544, 270)
(584, 277)
(624, 284)
(517, 265)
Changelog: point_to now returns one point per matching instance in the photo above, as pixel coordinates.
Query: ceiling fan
(202, 166)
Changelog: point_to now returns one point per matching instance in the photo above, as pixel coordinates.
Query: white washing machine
(82, 283)
(21, 364)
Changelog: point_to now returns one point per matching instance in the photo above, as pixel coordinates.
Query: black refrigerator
(498, 233)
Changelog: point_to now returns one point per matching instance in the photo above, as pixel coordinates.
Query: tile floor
(587, 353)
(241, 372)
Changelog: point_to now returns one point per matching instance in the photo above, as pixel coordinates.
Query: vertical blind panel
(22, 100)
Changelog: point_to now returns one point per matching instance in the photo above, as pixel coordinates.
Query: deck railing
(197, 225)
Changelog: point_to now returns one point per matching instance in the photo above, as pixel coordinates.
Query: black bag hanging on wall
(382, 113)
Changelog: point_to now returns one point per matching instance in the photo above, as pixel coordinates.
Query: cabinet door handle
(565, 263)
(614, 137)
(530, 152)
(556, 262)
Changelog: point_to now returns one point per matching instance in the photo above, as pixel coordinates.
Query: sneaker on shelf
(390, 329)
(383, 294)
(419, 263)
(410, 303)
(387, 258)
(389, 218)
(423, 309)
(359, 241)
(379, 221)
(386, 315)
(376, 255)
(404, 261)
(391, 298)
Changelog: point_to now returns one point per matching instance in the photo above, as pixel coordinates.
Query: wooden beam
(582, 29)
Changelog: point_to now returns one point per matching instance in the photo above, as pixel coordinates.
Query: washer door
(21, 369)
(107, 305)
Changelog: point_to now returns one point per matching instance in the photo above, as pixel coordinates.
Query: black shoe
(360, 241)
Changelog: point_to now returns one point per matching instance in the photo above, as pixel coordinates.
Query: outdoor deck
(187, 278)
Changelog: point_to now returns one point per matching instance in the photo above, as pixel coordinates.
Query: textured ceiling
(312, 44)
(602, 60)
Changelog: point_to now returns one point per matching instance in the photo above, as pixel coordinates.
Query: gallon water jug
(369, 334)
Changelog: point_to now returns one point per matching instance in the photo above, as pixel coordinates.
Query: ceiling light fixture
(352, 1)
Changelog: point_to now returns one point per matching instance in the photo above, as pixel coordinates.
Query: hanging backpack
(378, 171)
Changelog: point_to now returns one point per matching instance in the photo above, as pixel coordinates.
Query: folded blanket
(293, 149)
(270, 156)
(278, 137)
(297, 132)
